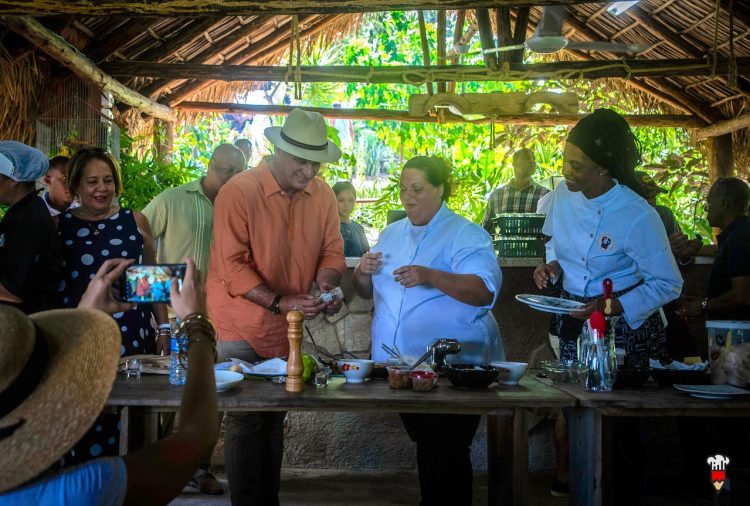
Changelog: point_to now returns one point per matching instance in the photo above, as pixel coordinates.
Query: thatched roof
(675, 29)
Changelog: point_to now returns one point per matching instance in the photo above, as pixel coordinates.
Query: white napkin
(679, 366)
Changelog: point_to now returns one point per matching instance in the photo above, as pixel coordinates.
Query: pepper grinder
(294, 366)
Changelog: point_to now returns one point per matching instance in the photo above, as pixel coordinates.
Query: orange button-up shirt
(263, 237)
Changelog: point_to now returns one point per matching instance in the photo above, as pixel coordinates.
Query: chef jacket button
(591, 236)
(585, 277)
(599, 211)
(583, 259)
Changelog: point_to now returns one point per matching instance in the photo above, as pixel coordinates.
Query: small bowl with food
(510, 373)
(355, 370)
(422, 380)
(399, 376)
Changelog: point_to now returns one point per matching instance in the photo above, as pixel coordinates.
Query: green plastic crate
(519, 224)
(519, 247)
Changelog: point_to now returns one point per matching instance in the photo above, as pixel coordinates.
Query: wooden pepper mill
(294, 366)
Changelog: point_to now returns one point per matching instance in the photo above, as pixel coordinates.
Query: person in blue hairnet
(30, 259)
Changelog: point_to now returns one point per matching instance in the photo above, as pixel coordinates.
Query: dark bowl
(470, 376)
(668, 377)
(631, 378)
(379, 371)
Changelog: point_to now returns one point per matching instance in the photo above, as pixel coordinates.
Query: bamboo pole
(196, 8)
(419, 74)
(485, 37)
(56, 47)
(425, 47)
(536, 119)
(441, 34)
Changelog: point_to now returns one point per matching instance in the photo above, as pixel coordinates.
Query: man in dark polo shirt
(728, 298)
(728, 291)
(30, 260)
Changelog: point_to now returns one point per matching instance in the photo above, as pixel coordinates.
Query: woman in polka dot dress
(90, 234)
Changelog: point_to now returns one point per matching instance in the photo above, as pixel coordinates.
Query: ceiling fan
(548, 38)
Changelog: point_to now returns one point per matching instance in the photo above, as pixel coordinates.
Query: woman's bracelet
(199, 324)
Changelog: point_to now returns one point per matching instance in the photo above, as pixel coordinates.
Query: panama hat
(305, 135)
(56, 371)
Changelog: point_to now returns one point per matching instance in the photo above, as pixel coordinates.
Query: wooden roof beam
(162, 51)
(195, 8)
(537, 119)
(268, 45)
(586, 69)
(56, 47)
(724, 127)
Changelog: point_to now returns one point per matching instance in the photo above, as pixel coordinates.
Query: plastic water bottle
(177, 372)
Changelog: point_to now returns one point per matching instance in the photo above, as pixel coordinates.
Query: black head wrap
(606, 138)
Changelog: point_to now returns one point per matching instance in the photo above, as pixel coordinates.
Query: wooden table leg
(507, 458)
(124, 430)
(585, 429)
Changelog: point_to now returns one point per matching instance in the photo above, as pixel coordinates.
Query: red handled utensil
(598, 324)
(607, 285)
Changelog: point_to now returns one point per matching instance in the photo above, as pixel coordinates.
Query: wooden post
(425, 48)
(294, 366)
(721, 158)
(441, 22)
(458, 31)
(485, 37)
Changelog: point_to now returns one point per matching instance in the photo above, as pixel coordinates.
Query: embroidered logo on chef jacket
(606, 242)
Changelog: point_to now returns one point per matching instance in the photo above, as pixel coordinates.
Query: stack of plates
(549, 304)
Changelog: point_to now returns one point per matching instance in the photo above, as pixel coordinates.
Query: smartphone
(149, 283)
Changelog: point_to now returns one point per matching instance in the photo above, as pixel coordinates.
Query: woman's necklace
(94, 230)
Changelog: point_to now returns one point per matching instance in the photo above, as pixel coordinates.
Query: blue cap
(21, 162)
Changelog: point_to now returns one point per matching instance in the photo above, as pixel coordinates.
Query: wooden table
(585, 425)
(506, 409)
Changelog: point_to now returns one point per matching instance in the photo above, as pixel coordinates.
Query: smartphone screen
(150, 283)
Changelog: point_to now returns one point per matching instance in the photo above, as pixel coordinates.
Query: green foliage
(144, 177)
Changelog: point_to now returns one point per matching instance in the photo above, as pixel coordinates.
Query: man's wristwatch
(704, 304)
(274, 307)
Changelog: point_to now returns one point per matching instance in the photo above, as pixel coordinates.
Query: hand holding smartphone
(150, 283)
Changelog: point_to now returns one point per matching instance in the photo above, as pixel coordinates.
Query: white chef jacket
(619, 236)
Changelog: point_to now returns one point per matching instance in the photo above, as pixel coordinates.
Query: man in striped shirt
(520, 195)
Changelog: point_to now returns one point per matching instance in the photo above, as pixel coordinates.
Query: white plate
(227, 379)
(546, 309)
(717, 392)
(269, 369)
(550, 304)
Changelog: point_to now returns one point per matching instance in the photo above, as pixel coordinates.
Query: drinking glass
(321, 377)
(133, 368)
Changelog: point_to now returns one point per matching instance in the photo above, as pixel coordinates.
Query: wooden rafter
(56, 47)
(485, 37)
(210, 54)
(537, 119)
(425, 46)
(163, 50)
(268, 45)
(676, 94)
(519, 32)
(247, 7)
(113, 42)
(442, 21)
(663, 32)
(419, 74)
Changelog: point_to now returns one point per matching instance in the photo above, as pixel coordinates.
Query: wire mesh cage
(76, 115)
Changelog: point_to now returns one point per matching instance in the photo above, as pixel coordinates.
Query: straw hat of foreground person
(56, 371)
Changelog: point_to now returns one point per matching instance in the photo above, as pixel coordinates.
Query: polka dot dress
(85, 246)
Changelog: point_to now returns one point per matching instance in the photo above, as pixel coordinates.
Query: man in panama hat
(276, 231)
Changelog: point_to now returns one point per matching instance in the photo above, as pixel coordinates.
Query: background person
(69, 361)
(431, 275)
(91, 234)
(276, 232)
(30, 261)
(247, 150)
(601, 227)
(182, 218)
(355, 240)
(57, 197)
(520, 195)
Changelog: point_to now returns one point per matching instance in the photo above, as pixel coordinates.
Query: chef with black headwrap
(601, 227)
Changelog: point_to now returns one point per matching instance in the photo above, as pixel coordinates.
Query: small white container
(729, 352)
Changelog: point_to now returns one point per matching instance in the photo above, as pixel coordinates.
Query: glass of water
(133, 368)
(321, 377)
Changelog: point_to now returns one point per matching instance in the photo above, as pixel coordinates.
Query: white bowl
(355, 370)
(227, 379)
(510, 373)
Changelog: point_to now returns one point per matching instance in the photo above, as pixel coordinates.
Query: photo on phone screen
(150, 283)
